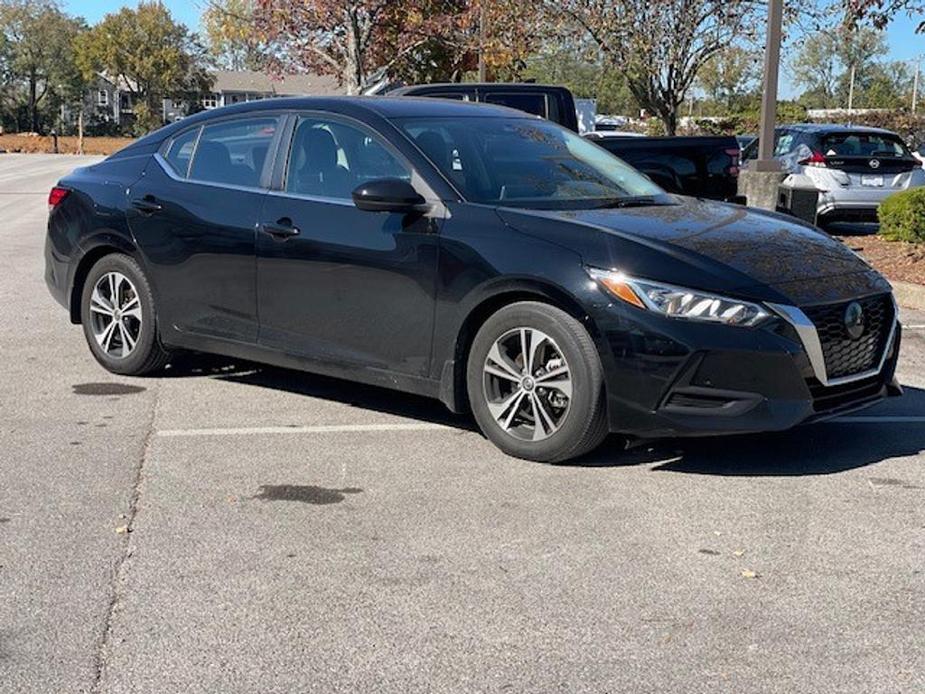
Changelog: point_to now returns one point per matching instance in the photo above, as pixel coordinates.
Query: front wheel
(119, 320)
(535, 383)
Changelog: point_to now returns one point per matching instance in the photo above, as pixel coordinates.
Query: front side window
(524, 162)
(233, 152)
(330, 159)
(102, 97)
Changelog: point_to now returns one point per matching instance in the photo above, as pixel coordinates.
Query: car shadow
(822, 448)
(814, 449)
(357, 395)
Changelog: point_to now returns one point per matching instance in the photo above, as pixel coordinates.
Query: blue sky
(904, 43)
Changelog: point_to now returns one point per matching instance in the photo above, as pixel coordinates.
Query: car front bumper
(667, 377)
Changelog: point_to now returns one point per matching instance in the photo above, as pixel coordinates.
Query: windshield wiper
(636, 201)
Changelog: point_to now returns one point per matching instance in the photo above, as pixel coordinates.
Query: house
(110, 102)
(232, 87)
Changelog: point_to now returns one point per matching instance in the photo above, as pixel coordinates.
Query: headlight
(679, 302)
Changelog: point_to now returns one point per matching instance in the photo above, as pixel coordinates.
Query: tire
(496, 361)
(132, 348)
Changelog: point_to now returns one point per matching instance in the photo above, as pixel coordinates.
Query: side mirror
(387, 195)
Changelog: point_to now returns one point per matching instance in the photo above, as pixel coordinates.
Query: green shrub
(902, 216)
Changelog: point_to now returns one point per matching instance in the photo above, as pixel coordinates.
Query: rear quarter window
(180, 151)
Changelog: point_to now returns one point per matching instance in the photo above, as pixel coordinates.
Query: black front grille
(844, 355)
(831, 398)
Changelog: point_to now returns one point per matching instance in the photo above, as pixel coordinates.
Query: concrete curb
(909, 294)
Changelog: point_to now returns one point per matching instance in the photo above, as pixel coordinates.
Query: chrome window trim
(168, 169)
(809, 337)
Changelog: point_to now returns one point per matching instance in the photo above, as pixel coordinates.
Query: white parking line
(877, 420)
(321, 429)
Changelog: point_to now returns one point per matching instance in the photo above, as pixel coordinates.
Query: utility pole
(851, 91)
(766, 161)
(483, 33)
(915, 84)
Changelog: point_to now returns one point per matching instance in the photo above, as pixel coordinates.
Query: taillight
(814, 159)
(734, 155)
(56, 197)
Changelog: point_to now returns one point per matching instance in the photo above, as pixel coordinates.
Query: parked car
(702, 167)
(547, 101)
(474, 254)
(855, 168)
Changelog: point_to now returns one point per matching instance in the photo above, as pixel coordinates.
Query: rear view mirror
(387, 195)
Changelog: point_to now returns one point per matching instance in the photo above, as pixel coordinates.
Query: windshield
(863, 145)
(525, 162)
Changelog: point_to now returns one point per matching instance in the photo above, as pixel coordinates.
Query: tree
(38, 45)
(816, 68)
(579, 67)
(357, 41)
(660, 45)
(229, 31)
(730, 76)
(878, 12)
(824, 64)
(149, 55)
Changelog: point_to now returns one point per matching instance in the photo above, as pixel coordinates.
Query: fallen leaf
(748, 573)
(738, 552)
(122, 530)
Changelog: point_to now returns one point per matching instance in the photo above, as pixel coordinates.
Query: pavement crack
(104, 643)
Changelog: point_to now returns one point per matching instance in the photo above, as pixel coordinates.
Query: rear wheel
(119, 319)
(535, 383)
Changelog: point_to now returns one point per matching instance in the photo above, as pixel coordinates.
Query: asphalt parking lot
(234, 528)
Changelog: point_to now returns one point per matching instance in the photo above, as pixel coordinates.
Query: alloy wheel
(527, 384)
(115, 314)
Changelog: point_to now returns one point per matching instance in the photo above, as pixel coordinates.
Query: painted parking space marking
(320, 429)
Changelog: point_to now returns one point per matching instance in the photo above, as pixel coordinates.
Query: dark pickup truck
(701, 167)
(548, 101)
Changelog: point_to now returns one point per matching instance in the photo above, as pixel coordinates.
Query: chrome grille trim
(809, 337)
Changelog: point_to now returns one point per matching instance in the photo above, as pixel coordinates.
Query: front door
(334, 283)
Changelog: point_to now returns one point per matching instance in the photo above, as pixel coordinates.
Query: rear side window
(529, 103)
(233, 152)
(180, 151)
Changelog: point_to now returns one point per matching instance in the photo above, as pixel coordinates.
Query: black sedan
(489, 259)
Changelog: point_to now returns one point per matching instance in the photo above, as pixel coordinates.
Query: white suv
(854, 168)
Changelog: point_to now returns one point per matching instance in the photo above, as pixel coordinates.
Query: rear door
(194, 214)
(337, 284)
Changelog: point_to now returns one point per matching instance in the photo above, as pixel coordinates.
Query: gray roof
(284, 85)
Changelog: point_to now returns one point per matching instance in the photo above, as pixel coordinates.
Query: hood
(741, 248)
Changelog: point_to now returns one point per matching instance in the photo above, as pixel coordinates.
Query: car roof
(386, 107)
(823, 128)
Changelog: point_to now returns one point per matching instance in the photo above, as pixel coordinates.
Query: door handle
(147, 205)
(280, 230)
